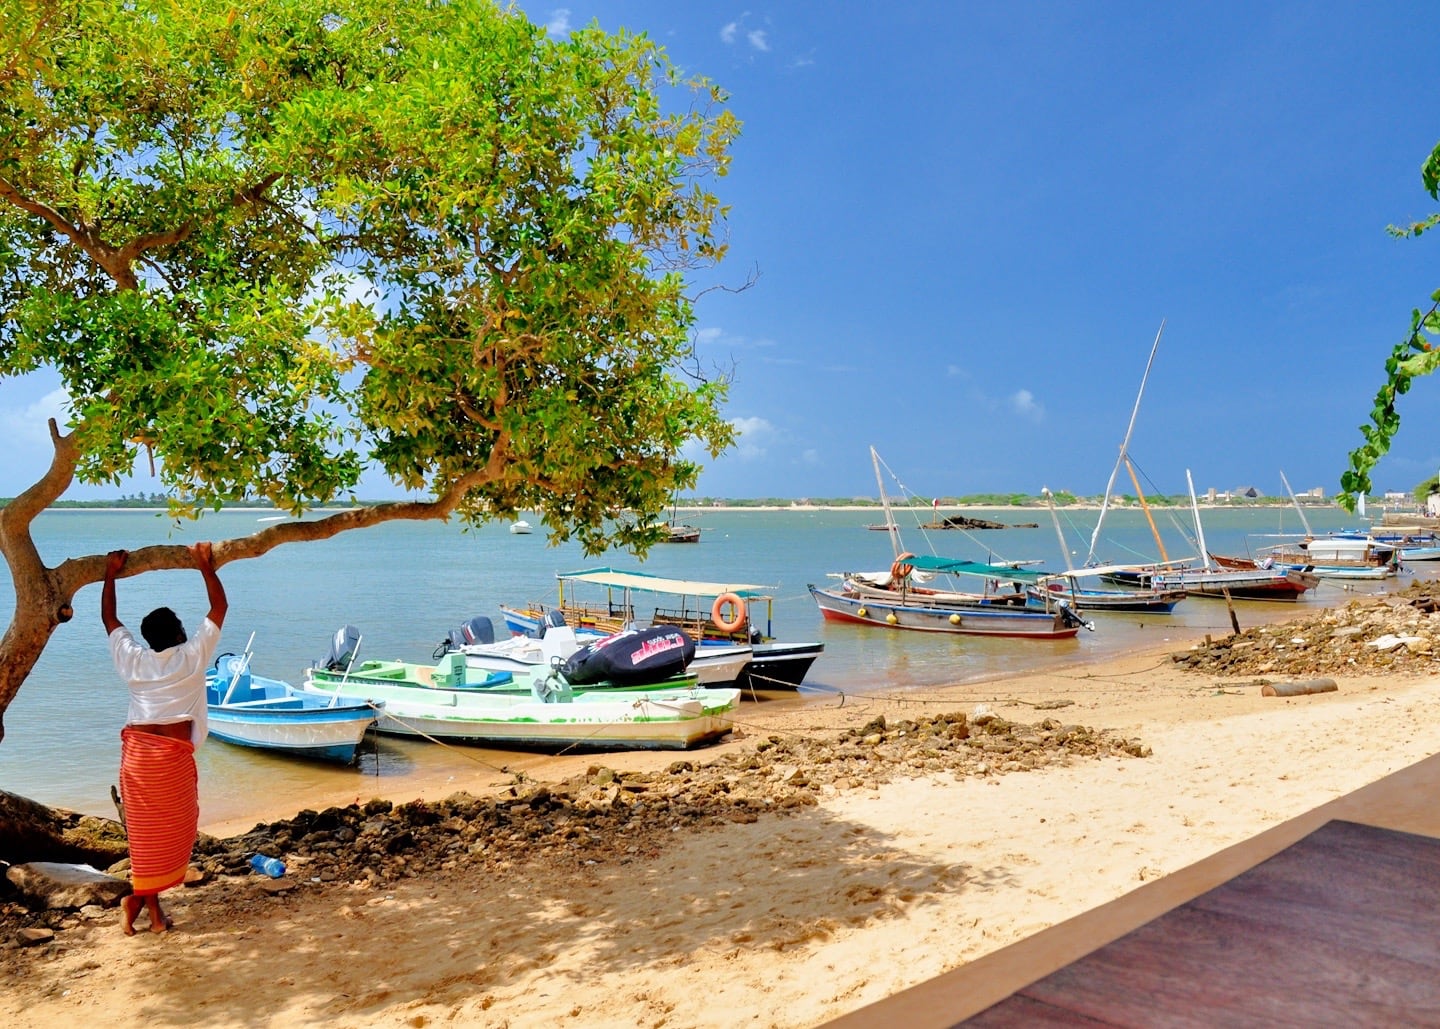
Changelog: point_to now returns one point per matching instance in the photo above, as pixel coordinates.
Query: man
(159, 784)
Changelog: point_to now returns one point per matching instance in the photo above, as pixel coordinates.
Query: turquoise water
(405, 585)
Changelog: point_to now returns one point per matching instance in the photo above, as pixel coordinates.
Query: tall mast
(1064, 550)
(1199, 529)
(1303, 520)
(1124, 446)
(890, 526)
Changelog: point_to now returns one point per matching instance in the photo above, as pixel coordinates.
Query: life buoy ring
(717, 612)
(900, 569)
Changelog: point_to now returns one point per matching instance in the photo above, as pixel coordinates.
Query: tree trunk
(30, 831)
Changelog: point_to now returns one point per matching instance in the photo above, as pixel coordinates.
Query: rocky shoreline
(603, 816)
(1392, 634)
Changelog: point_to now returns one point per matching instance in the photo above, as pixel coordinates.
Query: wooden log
(1298, 689)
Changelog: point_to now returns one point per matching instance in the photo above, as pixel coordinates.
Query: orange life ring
(717, 612)
(900, 569)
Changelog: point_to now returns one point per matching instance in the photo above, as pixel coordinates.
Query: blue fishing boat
(249, 710)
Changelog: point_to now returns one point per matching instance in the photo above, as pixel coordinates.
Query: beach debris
(1298, 689)
(52, 885)
(1394, 633)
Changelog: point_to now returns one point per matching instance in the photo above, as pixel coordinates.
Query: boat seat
(226, 667)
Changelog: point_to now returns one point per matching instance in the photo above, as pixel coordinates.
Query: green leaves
(265, 243)
(1414, 356)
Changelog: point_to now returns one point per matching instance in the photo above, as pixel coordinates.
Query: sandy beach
(787, 920)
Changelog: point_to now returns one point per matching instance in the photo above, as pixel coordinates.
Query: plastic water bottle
(273, 867)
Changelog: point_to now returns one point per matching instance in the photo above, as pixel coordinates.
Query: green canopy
(954, 566)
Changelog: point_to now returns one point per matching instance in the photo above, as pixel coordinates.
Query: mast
(1124, 446)
(1303, 520)
(890, 527)
(1199, 529)
(1050, 503)
(1144, 506)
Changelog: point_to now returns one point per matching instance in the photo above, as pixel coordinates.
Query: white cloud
(559, 23)
(1024, 403)
(758, 39)
(713, 335)
(811, 457)
(752, 434)
(28, 424)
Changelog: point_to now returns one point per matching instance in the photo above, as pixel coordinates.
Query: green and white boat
(452, 702)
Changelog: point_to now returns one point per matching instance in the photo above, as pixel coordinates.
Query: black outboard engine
(631, 657)
(480, 629)
(342, 649)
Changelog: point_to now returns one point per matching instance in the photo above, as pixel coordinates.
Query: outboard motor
(631, 657)
(551, 618)
(1071, 618)
(342, 649)
(479, 629)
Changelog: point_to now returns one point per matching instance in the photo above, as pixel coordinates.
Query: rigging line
(908, 494)
(463, 752)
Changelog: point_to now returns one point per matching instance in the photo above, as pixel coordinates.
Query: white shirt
(169, 685)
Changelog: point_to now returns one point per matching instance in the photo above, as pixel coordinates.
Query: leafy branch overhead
(1413, 357)
(264, 244)
(267, 245)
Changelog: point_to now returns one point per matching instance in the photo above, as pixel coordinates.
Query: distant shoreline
(801, 508)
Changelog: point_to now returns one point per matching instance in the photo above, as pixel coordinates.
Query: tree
(1414, 356)
(263, 243)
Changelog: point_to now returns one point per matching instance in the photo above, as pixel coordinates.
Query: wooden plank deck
(1341, 928)
(1332, 918)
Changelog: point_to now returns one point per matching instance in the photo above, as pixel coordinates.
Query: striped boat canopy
(640, 581)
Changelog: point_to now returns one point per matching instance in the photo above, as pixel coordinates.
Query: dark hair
(162, 629)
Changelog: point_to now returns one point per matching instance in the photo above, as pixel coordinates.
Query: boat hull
(277, 717)
(1017, 623)
(780, 666)
(1093, 601)
(1227, 582)
(597, 719)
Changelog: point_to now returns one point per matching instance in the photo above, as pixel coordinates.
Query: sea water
(405, 585)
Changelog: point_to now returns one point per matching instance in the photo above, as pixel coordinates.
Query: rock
(51, 885)
(30, 936)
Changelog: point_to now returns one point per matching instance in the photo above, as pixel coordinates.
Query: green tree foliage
(1414, 356)
(265, 242)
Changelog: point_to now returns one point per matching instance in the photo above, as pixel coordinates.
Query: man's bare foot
(159, 921)
(129, 908)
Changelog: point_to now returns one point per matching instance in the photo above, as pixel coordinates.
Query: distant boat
(520, 527)
(682, 533)
(676, 531)
(931, 614)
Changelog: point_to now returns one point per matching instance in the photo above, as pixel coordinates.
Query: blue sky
(969, 220)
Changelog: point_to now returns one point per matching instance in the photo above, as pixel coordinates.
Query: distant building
(1247, 493)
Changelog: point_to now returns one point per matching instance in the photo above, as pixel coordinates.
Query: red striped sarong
(160, 788)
